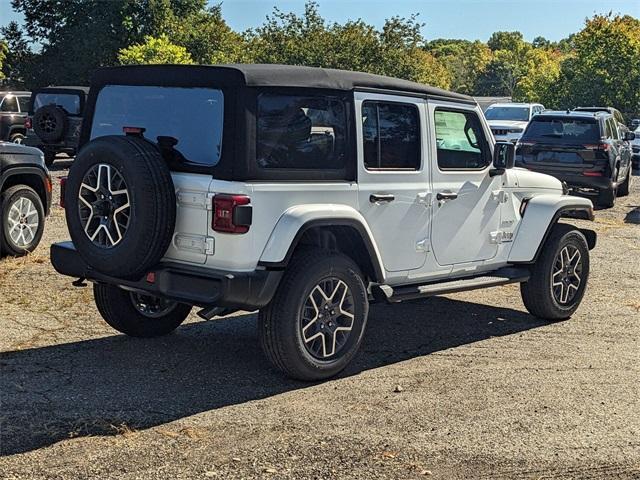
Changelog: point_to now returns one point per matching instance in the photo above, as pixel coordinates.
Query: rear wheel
(17, 138)
(138, 315)
(22, 220)
(559, 276)
(623, 188)
(49, 157)
(315, 323)
(607, 197)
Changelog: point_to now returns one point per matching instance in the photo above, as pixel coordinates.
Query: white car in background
(508, 120)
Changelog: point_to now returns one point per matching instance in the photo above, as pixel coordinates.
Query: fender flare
(31, 171)
(541, 214)
(294, 222)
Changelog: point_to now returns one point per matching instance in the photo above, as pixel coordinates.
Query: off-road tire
(607, 197)
(8, 198)
(117, 309)
(152, 200)
(280, 322)
(623, 188)
(537, 293)
(17, 137)
(50, 123)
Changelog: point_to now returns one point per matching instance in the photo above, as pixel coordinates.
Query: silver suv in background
(508, 120)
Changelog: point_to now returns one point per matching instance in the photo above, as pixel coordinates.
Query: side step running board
(499, 277)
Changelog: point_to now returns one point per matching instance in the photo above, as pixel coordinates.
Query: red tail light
(231, 213)
(593, 174)
(27, 122)
(597, 146)
(63, 188)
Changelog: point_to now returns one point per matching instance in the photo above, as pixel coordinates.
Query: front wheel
(136, 314)
(315, 323)
(21, 220)
(559, 276)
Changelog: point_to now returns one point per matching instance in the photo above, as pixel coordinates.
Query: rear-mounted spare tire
(120, 205)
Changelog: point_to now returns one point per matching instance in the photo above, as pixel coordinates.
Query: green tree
(18, 55)
(464, 60)
(154, 50)
(604, 68)
(395, 50)
(540, 81)
(505, 41)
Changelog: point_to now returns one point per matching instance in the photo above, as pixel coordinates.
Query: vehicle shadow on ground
(633, 216)
(95, 387)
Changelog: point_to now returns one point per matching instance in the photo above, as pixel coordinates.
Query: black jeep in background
(590, 151)
(13, 113)
(55, 118)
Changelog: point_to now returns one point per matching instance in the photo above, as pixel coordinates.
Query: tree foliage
(598, 65)
(154, 50)
(604, 68)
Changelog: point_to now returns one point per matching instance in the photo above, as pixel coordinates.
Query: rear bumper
(192, 285)
(635, 161)
(576, 180)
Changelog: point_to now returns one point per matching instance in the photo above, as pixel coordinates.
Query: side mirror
(628, 136)
(504, 157)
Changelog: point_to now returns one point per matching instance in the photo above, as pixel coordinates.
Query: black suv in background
(13, 112)
(589, 151)
(55, 118)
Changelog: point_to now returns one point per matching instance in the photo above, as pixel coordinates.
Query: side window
(391, 136)
(24, 104)
(301, 132)
(460, 141)
(9, 104)
(614, 129)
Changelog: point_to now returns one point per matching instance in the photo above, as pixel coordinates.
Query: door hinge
(425, 198)
(192, 199)
(500, 195)
(422, 245)
(195, 243)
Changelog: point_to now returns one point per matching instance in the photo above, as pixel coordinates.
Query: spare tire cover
(120, 205)
(50, 123)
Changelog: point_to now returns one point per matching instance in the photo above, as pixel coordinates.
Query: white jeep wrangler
(306, 194)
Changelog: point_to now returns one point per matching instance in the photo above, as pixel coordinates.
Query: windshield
(518, 114)
(69, 101)
(193, 117)
(572, 131)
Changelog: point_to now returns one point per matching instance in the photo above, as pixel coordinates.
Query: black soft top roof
(264, 75)
(61, 89)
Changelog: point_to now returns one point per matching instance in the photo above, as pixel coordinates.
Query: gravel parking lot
(463, 386)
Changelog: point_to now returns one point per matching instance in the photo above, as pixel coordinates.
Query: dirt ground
(456, 387)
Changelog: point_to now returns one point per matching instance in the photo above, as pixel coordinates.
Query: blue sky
(469, 19)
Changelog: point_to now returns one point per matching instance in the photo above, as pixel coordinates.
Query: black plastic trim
(344, 222)
(193, 285)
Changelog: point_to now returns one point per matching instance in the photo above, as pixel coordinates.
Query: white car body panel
(540, 212)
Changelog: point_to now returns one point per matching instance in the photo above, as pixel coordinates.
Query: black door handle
(446, 196)
(381, 198)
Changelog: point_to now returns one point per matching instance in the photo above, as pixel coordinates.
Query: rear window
(191, 116)
(68, 101)
(301, 132)
(563, 130)
(517, 114)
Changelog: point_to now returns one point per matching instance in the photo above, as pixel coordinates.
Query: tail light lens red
(598, 146)
(63, 188)
(231, 213)
(593, 174)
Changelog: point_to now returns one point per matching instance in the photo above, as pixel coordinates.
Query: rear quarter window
(193, 117)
